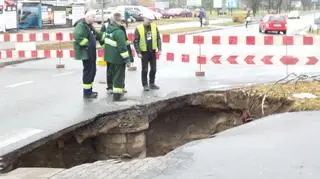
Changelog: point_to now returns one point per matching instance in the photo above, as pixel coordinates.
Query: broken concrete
(149, 130)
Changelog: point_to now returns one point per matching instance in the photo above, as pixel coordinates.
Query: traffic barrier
(240, 40)
(37, 37)
(191, 43)
(177, 39)
(183, 58)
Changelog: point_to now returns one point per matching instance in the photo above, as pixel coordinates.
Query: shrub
(239, 18)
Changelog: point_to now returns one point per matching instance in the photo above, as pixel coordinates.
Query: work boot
(89, 94)
(118, 97)
(154, 87)
(146, 88)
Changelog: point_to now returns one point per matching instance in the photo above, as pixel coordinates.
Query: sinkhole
(149, 130)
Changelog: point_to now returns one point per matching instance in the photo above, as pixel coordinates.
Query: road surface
(38, 99)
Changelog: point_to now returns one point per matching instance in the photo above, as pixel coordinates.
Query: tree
(279, 5)
(306, 4)
(255, 6)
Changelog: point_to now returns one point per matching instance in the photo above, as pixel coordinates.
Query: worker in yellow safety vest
(147, 43)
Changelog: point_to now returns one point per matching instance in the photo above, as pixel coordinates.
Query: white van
(146, 12)
(294, 15)
(107, 15)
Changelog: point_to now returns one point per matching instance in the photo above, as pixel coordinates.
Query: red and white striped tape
(13, 54)
(184, 58)
(177, 39)
(240, 40)
(36, 37)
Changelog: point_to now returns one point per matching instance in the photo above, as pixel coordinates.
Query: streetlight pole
(17, 14)
(40, 15)
(102, 15)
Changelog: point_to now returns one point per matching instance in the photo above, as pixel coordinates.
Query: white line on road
(23, 134)
(63, 74)
(19, 84)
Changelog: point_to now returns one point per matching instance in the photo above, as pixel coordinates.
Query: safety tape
(266, 40)
(181, 57)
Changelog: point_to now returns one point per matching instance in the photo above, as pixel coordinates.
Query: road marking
(63, 74)
(19, 84)
(23, 134)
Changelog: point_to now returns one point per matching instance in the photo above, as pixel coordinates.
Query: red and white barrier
(178, 39)
(36, 37)
(183, 58)
(240, 40)
(13, 54)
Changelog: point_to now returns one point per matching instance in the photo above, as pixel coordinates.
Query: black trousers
(89, 72)
(201, 22)
(148, 57)
(109, 76)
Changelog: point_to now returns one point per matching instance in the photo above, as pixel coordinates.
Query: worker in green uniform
(127, 17)
(117, 54)
(109, 65)
(84, 45)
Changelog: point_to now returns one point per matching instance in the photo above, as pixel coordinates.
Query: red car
(272, 22)
(178, 12)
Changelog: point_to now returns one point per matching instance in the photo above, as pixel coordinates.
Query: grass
(287, 90)
(55, 46)
(314, 32)
(230, 23)
(183, 30)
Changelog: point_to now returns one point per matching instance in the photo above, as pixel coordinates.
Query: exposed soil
(175, 128)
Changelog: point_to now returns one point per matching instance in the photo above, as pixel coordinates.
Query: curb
(15, 62)
(217, 28)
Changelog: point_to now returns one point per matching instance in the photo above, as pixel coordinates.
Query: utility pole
(40, 15)
(102, 15)
(17, 14)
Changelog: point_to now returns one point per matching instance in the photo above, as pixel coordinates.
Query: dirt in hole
(175, 128)
(62, 153)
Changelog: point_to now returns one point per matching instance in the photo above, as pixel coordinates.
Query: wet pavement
(38, 100)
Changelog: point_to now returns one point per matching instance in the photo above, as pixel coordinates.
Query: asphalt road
(37, 99)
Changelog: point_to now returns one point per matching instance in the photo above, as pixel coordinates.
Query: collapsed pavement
(148, 130)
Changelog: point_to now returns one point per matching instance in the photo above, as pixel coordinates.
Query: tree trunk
(279, 4)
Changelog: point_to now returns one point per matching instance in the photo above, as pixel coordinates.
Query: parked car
(185, 13)
(272, 22)
(160, 11)
(107, 15)
(146, 12)
(294, 15)
(136, 15)
(178, 12)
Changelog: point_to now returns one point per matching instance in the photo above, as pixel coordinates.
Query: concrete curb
(15, 62)
(217, 28)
